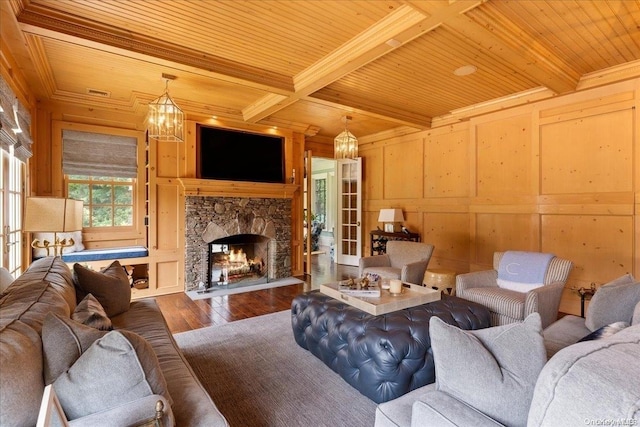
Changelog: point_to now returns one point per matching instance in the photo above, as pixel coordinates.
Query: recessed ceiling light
(465, 70)
(394, 43)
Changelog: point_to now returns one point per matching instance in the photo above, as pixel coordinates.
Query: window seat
(109, 254)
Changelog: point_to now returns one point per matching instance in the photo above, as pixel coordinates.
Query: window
(108, 201)
(320, 200)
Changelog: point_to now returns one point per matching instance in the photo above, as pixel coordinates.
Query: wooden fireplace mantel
(211, 187)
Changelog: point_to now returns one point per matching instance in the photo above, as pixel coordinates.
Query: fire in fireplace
(239, 259)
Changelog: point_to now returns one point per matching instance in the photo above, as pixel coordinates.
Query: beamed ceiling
(305, 64)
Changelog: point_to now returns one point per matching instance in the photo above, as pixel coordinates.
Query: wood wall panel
(503, 157)
(372, 178)
(403, 170)
(413, 221)
(168, 156)
(503, 231)
(170, 210)
(588, 154)
(600, 246)
(449, 233)
(168, 275)
(446, 164)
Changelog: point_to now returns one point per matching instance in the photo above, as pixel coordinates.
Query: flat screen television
(239, 156)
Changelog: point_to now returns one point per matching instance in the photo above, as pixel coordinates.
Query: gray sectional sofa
(36, 332)
(502, 376)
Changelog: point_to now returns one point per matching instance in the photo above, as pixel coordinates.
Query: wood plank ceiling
(304, 64)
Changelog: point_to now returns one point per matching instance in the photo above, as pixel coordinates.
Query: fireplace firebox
(239, 259)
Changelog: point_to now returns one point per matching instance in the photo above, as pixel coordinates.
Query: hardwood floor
(183, 314)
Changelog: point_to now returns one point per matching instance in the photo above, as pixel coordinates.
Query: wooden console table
(380, 238)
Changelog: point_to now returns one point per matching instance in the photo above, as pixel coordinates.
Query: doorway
(332, 216)
(323, 206)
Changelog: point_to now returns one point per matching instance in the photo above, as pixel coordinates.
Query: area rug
(259, 377)
(239, 288)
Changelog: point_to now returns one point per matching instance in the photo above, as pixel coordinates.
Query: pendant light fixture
(166, 119)
(345, 145)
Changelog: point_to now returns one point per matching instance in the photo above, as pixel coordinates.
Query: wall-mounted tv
(239, 156)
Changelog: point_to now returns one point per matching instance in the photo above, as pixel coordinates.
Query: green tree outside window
(108, 201)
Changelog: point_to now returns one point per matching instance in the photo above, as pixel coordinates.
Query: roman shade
(15, 124)
(99, 154)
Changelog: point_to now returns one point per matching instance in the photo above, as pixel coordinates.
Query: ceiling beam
(493, 32)
(372, 109)
(403, 25)
(46, 23)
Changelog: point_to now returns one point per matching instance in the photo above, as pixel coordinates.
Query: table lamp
(52, 214)
(391, 217)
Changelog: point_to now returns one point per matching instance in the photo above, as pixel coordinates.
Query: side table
(586, 295)
(440, 279)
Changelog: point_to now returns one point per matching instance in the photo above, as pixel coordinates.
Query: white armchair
(404, 260)
(510, 306)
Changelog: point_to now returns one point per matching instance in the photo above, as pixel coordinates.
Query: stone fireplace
(216, 226)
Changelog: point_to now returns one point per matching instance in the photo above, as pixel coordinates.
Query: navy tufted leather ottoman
(384, 356)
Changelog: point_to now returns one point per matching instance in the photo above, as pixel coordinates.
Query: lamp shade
(390, 215)
(52, 214)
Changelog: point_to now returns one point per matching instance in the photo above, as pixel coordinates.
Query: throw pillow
(63, 342)
(613, 302)
(605, 331)
(504, 360)
(635, 320)
(89, 312)
(133, 373)
(110, 286)
(5, 279)
(42, 252)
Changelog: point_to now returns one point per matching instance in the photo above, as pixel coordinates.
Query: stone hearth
(210, 218)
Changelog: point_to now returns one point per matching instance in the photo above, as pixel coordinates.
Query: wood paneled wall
(559, 176)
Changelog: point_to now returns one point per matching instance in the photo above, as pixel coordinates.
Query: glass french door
(11, 189)
(349, 239)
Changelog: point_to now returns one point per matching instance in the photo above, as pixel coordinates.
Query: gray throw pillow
(494, 370)
(90, 312)
(63, 342)
(613, 302)
(110, 286)
(118, 368)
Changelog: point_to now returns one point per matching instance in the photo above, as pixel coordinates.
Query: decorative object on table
(395, 286)
(362, 287)
(53, 214)
(391, 219)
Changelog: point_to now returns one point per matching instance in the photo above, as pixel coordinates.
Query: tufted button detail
(383, 356)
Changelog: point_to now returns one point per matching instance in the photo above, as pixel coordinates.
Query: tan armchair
(509, 306)
(406, 261)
